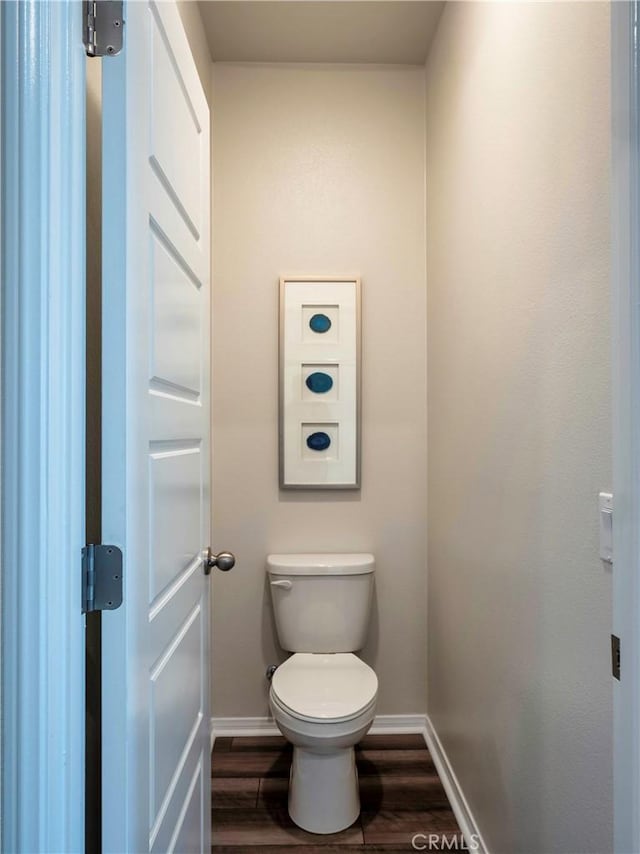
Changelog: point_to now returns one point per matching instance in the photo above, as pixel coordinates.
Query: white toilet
(323, 697)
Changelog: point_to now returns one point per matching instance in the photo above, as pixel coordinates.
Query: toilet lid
(325, 686)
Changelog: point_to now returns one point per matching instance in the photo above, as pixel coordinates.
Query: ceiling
(380, 31)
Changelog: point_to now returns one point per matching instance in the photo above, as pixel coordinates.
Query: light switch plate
(605, 506)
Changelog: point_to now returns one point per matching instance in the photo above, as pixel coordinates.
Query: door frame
(42, 72)
(625, 282)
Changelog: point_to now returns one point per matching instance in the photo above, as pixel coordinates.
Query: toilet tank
(321, 602)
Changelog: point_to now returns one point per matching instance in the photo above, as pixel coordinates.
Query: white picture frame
(319, 387)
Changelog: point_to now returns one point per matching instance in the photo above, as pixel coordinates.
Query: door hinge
(101, 578)
(103, 27)
(615, 657)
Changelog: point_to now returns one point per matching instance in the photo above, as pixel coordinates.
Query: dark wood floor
(401, 795)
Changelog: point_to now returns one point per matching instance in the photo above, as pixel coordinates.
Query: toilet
(323, 697)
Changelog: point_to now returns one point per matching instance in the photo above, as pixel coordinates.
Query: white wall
(319, 170)
(519, 417)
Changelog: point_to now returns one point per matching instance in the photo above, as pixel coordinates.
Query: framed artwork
(320, 343)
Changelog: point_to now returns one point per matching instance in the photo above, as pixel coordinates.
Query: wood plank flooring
(400, 792)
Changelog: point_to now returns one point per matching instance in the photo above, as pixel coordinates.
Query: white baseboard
(398, 725)
(452, 787)
(230, 727)
(389, 725)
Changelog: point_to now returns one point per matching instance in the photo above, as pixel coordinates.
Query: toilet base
(323, 790)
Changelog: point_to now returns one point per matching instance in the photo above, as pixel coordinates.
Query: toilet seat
(324, 687)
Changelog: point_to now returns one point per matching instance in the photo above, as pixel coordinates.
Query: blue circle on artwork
(318, 441)
(319, 382)
(320, 323)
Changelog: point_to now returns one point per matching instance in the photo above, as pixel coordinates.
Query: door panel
(178, 127)
(175, 527)
(174, 726)
(177, 322)
(156, 425)
(186, 834)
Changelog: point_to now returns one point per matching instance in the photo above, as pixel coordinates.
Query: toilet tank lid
(321, 564)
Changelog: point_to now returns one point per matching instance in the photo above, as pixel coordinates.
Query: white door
(156, 425)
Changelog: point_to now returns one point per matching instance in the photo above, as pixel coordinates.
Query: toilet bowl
(323, 697)
(323, 704)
